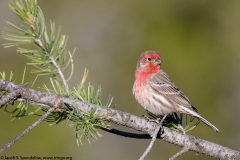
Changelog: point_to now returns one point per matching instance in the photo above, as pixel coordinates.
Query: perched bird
(154, 90)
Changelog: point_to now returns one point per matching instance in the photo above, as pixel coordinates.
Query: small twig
(182, 151)
(27, 130)
(60, 73)
(154, 136)
(7, 98)
(64, 81)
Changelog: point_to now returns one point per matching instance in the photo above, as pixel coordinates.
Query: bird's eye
(149, 59)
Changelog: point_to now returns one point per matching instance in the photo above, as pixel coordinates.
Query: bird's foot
(152, 120)
(159, 122)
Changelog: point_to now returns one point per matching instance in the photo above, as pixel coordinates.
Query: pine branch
(48, 53)
(49, 56)
(125, 119)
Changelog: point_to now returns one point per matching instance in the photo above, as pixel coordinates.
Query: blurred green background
(199, 43)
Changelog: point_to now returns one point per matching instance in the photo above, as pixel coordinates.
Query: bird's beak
(157, 61)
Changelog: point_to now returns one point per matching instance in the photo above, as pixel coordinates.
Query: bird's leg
(179, 123)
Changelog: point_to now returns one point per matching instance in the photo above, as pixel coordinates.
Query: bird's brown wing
(162, 84)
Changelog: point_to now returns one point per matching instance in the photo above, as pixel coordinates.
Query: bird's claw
(152, 120)
(158, 121)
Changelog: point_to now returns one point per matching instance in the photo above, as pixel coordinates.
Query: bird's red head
(149, 61)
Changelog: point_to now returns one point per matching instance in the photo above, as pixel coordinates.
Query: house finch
(155, 92)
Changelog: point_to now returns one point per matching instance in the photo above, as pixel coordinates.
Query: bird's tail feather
(195, 114)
